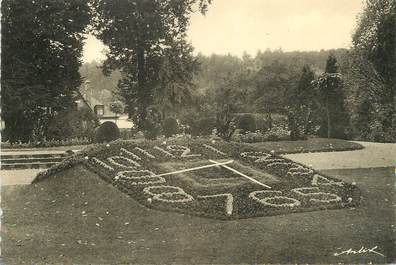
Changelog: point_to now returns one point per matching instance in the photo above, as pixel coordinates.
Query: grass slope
(76, 217)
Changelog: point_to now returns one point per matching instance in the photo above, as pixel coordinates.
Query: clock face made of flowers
(217, 179)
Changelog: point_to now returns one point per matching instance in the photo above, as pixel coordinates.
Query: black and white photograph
(198, 132)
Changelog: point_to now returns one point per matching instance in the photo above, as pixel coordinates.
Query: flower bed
(216, 179)
(47, 143)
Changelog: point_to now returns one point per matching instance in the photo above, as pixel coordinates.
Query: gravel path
(18, 177)
(373, 155)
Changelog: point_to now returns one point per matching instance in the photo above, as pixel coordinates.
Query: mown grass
(76, 217)
(308, 146)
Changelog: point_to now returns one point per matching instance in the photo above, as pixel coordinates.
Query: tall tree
(224, 100)
(272, 82)
(41, 47)
(302, 105)
(143, 37)
(176, 74)
(372, 71)
(330, 87)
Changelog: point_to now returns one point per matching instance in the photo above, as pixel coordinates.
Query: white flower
(86, 158)
(149, 200)
(107, 145)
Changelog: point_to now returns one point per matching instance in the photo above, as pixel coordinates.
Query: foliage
(272, 83)
(152, 124)
(224, 100)
(107, 132)
(145, 37)
(103, 87)
(276, 133)
(330, 88)
(247, 123)
(127, 133)
(117, 107)
(170, 127)
(199, 124)
(175, 89)
(370, 70)
(41, 46)
(302, 105)
(76, 123)
(47, 143)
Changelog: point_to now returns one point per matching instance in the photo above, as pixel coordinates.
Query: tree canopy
(371, 69)
(145, 36)
(41, 43)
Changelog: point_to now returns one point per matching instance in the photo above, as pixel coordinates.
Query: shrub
(107, 132)
(152, 129)
(199, 124)
(117, 107)
(152, 132)
(249, 137)
(170, 127)
(277, 133)
(72, 124)
(247, 123)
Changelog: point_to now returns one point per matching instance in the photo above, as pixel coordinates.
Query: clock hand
(240, 173)
(195, 168)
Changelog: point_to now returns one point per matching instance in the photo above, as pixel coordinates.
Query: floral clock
(217, 179)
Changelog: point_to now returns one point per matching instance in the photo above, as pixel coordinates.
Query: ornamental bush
(70, 124)
(198, 124)
(170, 127)
(152, 127)
(247, 123)
(277, 133)
(107, 132)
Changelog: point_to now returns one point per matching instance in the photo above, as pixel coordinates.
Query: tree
(302, 105)
(272, 82)
(41, 46)
(224, 112)
(103, 87)
(371, 72)
(330, 86)
(176, 80)
(117, 108)
(144, 36)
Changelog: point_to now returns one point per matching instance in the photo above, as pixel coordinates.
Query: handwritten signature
(362, 250)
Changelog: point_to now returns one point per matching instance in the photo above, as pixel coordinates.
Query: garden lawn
(308, 146)
(76, 217)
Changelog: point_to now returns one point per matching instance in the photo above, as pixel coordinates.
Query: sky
(238, 26)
